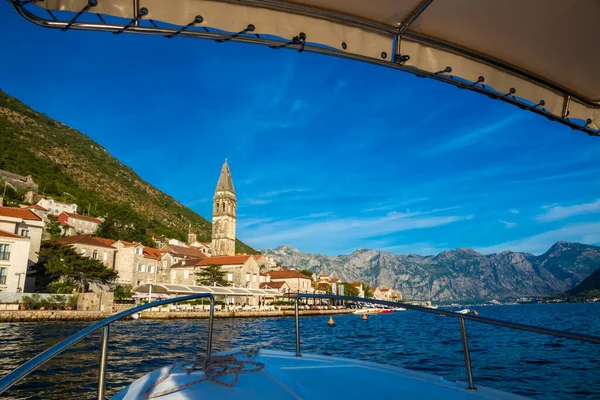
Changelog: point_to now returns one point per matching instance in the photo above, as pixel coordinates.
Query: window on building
(186, 274)
(230, 277)
(95, 255)
(139, 282)
(139, 268)
(138, 251)
(173, 275)
(4, 251)
(83, 252)
(151, 269)
(254, 278)
(25, 232)
(164, 263)
(2, 276)
(247, 276)
(106, 256)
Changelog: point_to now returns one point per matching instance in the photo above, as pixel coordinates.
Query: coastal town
(171, 267)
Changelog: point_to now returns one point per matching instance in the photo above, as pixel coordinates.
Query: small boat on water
(463, 311)
(367, 311)
(386, 311)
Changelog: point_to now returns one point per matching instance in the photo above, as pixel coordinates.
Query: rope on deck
(214, 367)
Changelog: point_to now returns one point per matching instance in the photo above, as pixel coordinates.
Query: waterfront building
(224, 215)
(14, 252)
(93, 247)
(358, 286)
(24, 223)
(376, 293)
(296, 281)
(75, 224)
(137, 264)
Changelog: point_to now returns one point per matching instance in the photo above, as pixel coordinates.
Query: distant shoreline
(60, 315)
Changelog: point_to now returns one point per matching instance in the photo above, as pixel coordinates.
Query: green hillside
(67, 165)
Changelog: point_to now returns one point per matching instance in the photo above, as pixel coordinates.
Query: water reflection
(525, 363)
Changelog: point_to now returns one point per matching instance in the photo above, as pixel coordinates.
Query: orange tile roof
(85, 239)
(36, 207)
(384, 289)
(108, 242)
(334, 280)
(129, 244)
(373, 288)
(272, 285)
(152, 253)
(22, 213)
(190, 252)
(11, 235)
(83, 218)
(223, 260)
(356, 284)
(287, 274)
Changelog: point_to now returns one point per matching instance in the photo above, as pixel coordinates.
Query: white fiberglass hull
(286, 376)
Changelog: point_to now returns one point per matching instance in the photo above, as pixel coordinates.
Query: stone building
(18, 182)
(93, 247)
(181, 253)
(358, 286)
(224, 211)
(297, 282)
(137, 264)
(79, 224)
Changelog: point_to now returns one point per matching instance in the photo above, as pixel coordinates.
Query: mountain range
(461, 275)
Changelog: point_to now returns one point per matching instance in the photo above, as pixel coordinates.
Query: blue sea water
(529, 364)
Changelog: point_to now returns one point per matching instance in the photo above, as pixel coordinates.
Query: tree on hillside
(122, 223)
(367, 290)
(307, 273)
(210, 275)
(350, 290)
(58, 262)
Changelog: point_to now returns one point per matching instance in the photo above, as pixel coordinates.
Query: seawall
(56, 315)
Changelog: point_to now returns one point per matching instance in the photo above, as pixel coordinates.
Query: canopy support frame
(132, 27)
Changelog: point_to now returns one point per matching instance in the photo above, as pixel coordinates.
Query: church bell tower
(223, 220)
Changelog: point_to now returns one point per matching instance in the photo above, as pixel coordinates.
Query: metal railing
(24, 370)
(461, 318)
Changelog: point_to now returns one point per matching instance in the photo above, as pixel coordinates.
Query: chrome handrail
(27, 368)
(461, 318)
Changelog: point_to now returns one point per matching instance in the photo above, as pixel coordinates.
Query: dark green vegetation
(69, 166)
(587, 290)
(210, 275)
(65, 269)
(307, 273)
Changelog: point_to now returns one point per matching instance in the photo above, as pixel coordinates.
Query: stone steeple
(225, 182)
(223, 220)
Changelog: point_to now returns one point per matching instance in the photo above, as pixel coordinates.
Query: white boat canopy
(540, 55)
(173, 289)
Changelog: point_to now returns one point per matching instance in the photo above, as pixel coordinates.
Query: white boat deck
(286, 376)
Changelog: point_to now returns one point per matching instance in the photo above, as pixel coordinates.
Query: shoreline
(63, 315)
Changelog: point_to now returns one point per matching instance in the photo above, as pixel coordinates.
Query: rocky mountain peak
(457, 275)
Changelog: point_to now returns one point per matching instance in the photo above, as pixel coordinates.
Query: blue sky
(327, 155)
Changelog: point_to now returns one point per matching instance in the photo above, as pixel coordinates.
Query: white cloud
(555, 213)
(473, 136)
(537, 244)
(507, 224)
(335, 233)
(514, 211)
